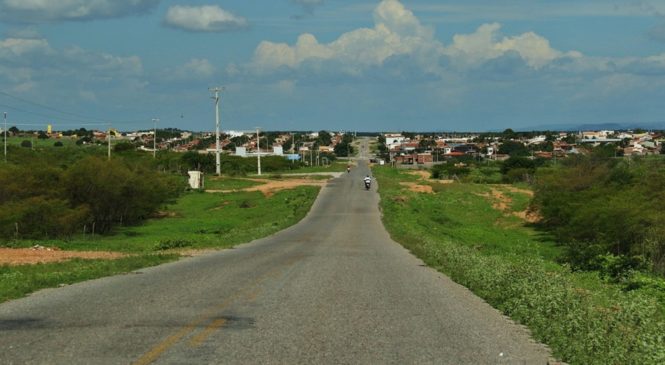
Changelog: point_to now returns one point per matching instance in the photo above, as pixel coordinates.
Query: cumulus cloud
(208, 18)
(487, 44)
(397, 32)
(40, 11)
(29, 62)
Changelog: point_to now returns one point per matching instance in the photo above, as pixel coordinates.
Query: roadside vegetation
(19, 281)
(500, 241)
(71, 198)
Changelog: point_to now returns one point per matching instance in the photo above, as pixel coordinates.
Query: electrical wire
(80, 117)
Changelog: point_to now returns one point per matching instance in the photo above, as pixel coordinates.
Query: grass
(337, 166)
(40, 143)
(207, 220)
(225, 183)
(18, 281)
(198, 220)
(584, 319)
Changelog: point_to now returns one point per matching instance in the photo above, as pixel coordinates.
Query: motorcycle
(368, 183)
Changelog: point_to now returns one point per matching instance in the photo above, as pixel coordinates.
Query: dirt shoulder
(26, 256)
(269, 187)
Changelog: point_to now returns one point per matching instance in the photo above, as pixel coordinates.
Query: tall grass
(582, 318)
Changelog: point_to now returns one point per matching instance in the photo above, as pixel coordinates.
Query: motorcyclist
(368, 181)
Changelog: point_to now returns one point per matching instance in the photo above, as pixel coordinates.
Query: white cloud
(397, 32)
(487, 44)
(208, 18)
(39, 11)
(194, 69)
(16, 47)
(29, 63)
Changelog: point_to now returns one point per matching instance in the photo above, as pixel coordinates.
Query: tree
(115, 193)
(123, 146)
(14, 130)
(426, 144)
(287, 144)
(344, 149)
(513, 148)
(518, 163)
(200, 162)
(83, 140)
(324, 139)
(42, 135)
(26, 144)
(509, 134)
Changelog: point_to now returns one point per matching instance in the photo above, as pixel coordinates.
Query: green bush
(449, 170)
(583, 319)
(174, 243)
(597, 206)
(39, 200)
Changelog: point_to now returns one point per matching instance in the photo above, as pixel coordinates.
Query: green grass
(337, 166)
(205, 220)
(18, 281)
(224, 183)
(583, 319)
(198, 220)
(40, 143)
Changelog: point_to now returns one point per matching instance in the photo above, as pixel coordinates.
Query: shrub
(449, 170)
(26, 144)
(123, 146)
(115, 193)
(171, 244)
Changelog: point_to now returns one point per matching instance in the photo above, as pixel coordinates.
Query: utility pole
(154, 137)
(218, 162)
(109, 144)
(258, 149)
(5, 130)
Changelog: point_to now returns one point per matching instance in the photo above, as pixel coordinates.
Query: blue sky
(336, 65)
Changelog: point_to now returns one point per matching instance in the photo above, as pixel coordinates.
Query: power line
(82, 117)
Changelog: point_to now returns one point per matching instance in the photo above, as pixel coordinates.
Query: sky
(339, 65)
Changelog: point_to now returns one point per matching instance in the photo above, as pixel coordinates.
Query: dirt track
(23, 256)
(269, 187)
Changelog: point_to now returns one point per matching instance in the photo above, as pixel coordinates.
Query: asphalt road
(334, 289)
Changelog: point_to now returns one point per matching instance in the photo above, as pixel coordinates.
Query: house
(414, 158)
(393, 140)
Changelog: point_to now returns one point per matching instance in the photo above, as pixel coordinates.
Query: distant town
(397, 148)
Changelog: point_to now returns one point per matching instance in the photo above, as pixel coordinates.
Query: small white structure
(278, 150)
(196, 179)
(241, 151)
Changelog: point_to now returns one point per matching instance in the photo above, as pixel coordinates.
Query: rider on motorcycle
(368, 181)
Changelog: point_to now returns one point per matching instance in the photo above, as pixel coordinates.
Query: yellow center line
(158, 350)
(198, 339)
(169, 342)
(165, 345)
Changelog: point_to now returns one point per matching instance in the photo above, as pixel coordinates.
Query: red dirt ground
(24, 256)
